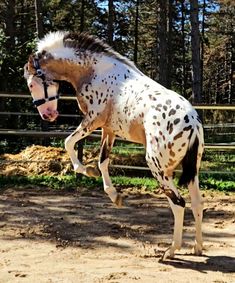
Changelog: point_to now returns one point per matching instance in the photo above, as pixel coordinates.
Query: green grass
(72, 182)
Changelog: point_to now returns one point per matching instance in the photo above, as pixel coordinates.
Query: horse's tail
(189, 163)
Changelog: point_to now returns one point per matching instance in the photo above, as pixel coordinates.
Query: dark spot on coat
(161, 173)
(179, 135)
(187, 128)
(172, 153)
(190, 135)
(171, 128)
(168, 102)
(176, 121)
(172, 112)
(168, 126)
(186, 119)
(152, 97)
(177, 200)
(199, 120)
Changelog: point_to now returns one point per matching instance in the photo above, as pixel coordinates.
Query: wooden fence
(96, 134)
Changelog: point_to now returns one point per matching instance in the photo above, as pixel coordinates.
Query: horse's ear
(29, 67)
(30, 60)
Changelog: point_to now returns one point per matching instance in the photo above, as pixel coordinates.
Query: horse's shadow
(224, 264)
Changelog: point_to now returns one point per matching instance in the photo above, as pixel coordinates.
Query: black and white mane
(81, 42)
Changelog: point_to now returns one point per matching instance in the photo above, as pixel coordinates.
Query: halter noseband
(40, 74)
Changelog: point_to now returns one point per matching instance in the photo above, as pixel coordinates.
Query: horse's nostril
(31, 86)
(44, 116)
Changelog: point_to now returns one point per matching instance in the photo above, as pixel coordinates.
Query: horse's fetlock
(79, 169)
(197, 248)
(104, 165)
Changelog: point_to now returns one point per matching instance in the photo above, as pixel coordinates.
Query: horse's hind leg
(177, 205)
(106, 146)
(163, 174)
(197, 208)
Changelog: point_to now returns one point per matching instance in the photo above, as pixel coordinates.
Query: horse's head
(43, 87)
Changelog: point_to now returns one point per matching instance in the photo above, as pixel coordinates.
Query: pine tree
(196, 56)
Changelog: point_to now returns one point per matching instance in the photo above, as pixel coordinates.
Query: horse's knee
(68, 144)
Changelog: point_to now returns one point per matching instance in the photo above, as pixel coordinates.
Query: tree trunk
(202, 42)
(232, 73)
(39, 18)
(136, 32)
(82, 18)
(183, 80)
(195, 45)
(163, 42)
(10, 25)
(169, 43)
(110, 22)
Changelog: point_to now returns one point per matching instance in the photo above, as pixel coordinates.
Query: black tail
(189, 164)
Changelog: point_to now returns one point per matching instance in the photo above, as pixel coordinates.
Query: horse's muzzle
(49, 115)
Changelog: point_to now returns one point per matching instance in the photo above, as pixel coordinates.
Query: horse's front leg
(81, 132)
(106, 146)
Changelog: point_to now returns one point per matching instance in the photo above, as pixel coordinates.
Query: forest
(187, 46)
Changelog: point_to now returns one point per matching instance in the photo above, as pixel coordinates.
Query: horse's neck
(115, 74)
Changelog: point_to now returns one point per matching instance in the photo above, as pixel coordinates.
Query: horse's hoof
(197, 249)
(119, 201)
(168, 254)
(92, 171)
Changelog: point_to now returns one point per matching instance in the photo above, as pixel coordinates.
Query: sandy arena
(79, 236)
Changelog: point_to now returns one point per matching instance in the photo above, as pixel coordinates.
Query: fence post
(44, 128)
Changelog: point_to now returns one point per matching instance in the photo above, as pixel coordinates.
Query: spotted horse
(118, 98)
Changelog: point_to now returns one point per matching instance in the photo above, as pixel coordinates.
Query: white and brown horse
(115, 96)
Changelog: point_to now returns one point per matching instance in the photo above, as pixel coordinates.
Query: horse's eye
(39, 72)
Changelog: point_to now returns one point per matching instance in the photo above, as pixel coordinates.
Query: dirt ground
(79, 236)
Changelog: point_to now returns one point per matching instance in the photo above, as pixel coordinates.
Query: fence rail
(69, 97)
(97, 134)
(63, 134)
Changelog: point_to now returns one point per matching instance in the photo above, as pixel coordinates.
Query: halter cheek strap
(40, 74)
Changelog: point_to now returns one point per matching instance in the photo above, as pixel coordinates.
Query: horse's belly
(132, 130)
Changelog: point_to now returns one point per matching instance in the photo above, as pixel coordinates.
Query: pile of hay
(41, 160)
